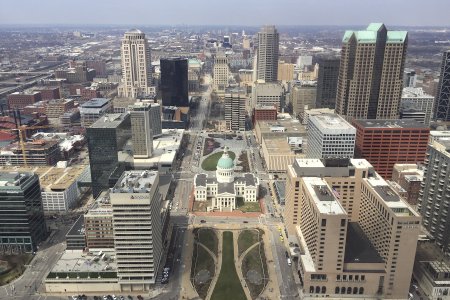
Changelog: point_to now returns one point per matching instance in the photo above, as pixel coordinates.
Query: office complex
(417, 99)
(371, 73)
(138, 226)
(98, 224)
(330, 136)
(174, 81)
(267, 94)
(285, 71)
(358, 237)
(264, 113)
(327, 82)
(387, 142)
(442, 105)
(22, 217)
(141, 130)
(267, 56)
(19, 99)
(106, 137)
(409, 78)
(136, 65)
(221, 73)
(235, 113)
(434, 198)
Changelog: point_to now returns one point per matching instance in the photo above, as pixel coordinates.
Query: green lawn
(201, 260)
(15, 267)
(210, 163)
(254, 260)
(246, 239)
(247, 206)
(208, 238)
(228, 285)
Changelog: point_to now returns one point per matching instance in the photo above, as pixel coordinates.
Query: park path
(218, 265)
(188, 291)
(237, 263)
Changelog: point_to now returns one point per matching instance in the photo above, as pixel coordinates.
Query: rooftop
(12, 179)
(358, 248)
(412, 92)
(109, 121)
(77, 261)
(331, 121)
(324, 199)
(135, 182)
(370, 34)
(95, 103)
(77, 228)
(400, 123)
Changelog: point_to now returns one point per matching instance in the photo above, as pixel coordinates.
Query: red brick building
(387, 142)
(264, 113)
(50, 93)
(409, 177)
(20, 100)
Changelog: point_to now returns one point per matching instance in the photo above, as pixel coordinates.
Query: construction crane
(22, 132)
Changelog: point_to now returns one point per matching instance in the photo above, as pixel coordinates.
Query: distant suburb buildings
(371, 73)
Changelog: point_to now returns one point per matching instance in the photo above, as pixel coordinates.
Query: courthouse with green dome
(225, 188)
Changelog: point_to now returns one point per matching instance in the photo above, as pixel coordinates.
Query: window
(324, 290)
(355, 290)
(336, 290)
(361, 290)
(324, 222)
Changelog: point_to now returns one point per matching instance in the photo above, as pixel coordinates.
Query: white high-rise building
(418, 99)
(136, 65)
(221, 73)
(141, 129)
(138, 225)
(267, 59)
(330, 136)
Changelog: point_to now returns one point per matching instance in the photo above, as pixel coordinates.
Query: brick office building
(19, 100)
(387, 142)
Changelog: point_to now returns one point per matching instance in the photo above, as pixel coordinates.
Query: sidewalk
(218, 266)
(187, 290)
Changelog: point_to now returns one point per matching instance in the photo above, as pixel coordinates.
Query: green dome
(225, 162)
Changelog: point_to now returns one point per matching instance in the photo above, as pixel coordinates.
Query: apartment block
(235, 113)
(98, 224)
(357, 237)
(387, 142)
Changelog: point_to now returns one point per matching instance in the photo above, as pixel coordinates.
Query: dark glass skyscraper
(327, 82)
(22, 223)
(174, 81)
(106, 138)
(442, 104)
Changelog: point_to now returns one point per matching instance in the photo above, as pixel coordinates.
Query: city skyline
(201, 12)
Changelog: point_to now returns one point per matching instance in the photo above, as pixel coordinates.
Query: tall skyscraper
(235, 101)
(327, 82)
(330, 136)
(141, 130)
(138, 229)
(106, 138)
(434, 198)
(371, 73)
(174, 82)
(136, 64)
(267, 58)
(358, 235)
(442, 105)
(22, 223)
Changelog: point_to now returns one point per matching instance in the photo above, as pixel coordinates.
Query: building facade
(93, 109)
(371, 73)
(387, 142)
(303, 97)
(235, 103)
(174, 82)
(268, 94)
(221, 73)
(330, 136)
(442, 105)
(136, 64)
(327, 83)
(138, 229)
(141, 130)
(418, 99)
(267, 57)
(22, 220)
(410, 178)
(20, 100)
(264, 113)
(434, 198)
(285, 71)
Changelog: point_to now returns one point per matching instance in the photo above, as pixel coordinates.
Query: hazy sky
(226, 12)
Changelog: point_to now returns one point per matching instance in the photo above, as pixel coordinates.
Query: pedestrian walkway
(218, 265)
(187, 290)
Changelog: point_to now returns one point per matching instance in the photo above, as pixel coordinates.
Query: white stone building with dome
(224, 189)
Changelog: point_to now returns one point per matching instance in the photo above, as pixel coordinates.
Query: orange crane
(22, 132)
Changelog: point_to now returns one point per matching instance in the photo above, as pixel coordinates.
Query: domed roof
(134, 30)
(225, 162)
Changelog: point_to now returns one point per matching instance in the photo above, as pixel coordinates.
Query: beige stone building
(285, 71)
(303, 97)
(357, 236)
